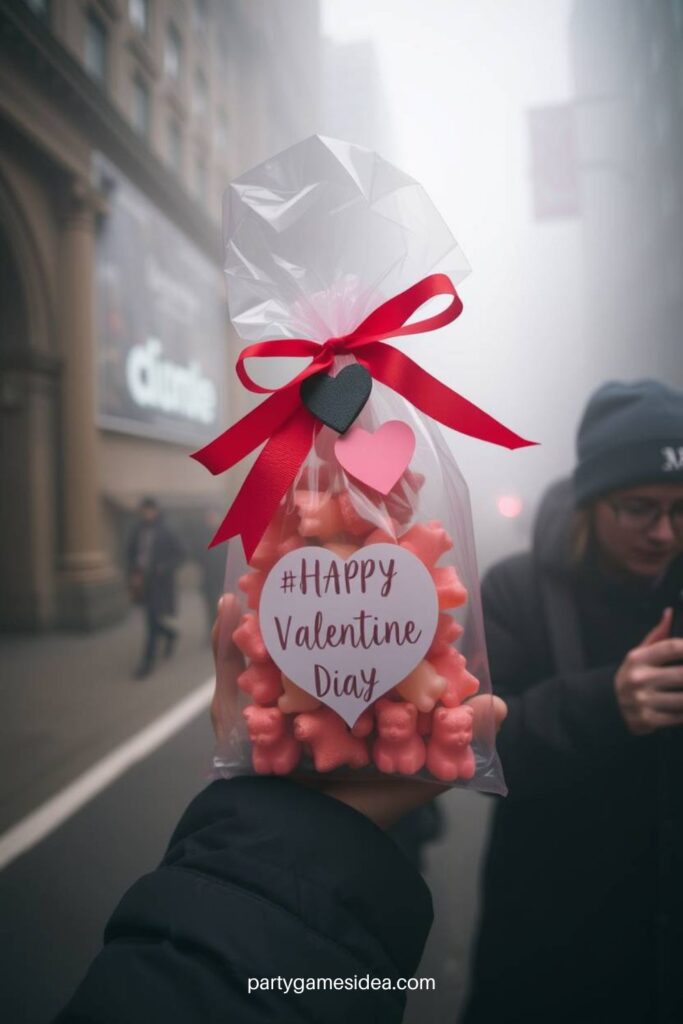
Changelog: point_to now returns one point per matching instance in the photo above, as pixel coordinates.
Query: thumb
(660, 631)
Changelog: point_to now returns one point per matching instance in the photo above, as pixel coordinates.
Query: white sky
(459, 77)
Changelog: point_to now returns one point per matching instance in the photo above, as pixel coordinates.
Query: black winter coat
(166, 555)
(262, 879)
(582, 917)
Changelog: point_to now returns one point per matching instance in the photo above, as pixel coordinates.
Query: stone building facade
(121, 122)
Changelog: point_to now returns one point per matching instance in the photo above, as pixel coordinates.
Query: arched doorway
(28, 422)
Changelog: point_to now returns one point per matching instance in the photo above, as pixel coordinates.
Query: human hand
(383, 800)
(229, 662)
(648, 685)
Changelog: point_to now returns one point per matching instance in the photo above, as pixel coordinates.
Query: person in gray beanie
(582, 912)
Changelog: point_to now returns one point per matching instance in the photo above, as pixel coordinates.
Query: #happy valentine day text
(371, 578)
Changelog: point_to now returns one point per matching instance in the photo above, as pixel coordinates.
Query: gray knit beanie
(630, 434)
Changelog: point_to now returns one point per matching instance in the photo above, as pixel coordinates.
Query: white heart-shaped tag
(346, 631)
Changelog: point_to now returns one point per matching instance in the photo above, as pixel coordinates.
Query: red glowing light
(509, 506)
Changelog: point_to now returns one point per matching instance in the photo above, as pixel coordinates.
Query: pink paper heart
(378, 459)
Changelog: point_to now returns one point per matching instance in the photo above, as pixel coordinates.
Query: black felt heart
(337, 401)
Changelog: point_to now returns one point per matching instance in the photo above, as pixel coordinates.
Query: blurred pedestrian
(154, 554)
(582, 917)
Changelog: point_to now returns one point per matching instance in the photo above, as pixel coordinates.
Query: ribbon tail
(268, 481)
(431, 396)
(242, 437)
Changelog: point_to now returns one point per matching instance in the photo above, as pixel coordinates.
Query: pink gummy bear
(424, 723)
(354, 523)
(364, 724)
(320, 515)
(422, 687)
(262, 680)
(449, 589)
(248, 638)
(460, 683)
(447, 631)
(398, 747)
(382, 536)
(274, 749)
(252, 585)
(331, 742)
(429, 541)
(449, 755)
(279, 538)
(294, 699)
(269, 552)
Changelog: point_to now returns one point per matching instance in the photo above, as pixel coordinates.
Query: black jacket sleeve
(263, 879)
(556, 724)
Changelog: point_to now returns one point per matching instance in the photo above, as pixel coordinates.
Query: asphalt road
(57, 897)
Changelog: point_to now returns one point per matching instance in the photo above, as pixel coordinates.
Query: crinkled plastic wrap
(316, 239)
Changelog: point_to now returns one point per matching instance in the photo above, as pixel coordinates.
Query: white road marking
(50, 815)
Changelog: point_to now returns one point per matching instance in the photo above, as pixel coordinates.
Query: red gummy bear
(382, 535)
(423, 687)
(460, 683)
(294, 699)
(252, 585)
(274, 750)
(320, 515)
(424, 722)
(353, 521)
(447, 631)
(450, 591)
(449, 755)
(248, 638)
(398, 747)
(428, 541)
(279, 538)
(263, 681)
(268, 553)
(331, 742)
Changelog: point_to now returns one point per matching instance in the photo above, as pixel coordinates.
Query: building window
(138, 12)
(95, 47)
(201, 94)
(173, 53)
(141, 107)
(175, 146)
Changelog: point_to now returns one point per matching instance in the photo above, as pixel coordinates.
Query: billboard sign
(161, 322)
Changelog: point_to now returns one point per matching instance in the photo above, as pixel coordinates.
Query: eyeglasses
(642, 514)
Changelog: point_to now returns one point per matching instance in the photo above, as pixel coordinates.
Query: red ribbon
(291, 428)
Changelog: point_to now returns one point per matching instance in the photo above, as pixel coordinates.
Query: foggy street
(343, 337)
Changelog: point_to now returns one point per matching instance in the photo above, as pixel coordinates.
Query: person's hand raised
(649, 683)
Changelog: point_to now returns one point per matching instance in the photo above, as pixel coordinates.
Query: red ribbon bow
(291, 428)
